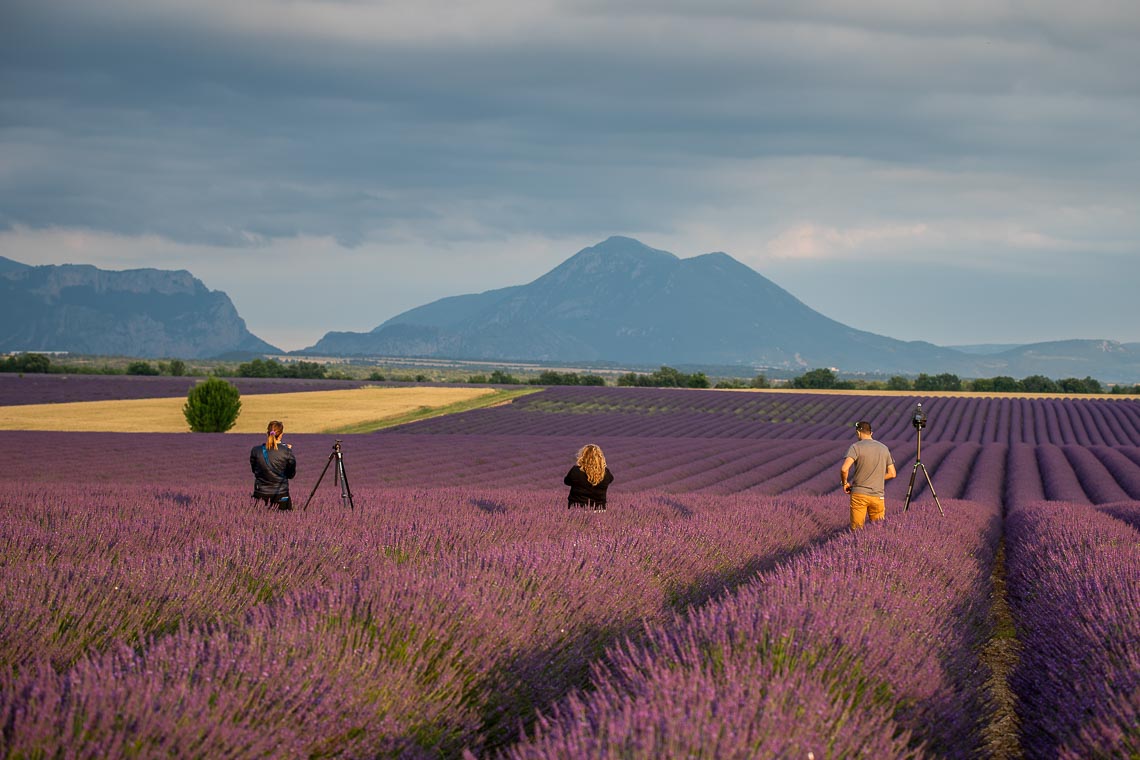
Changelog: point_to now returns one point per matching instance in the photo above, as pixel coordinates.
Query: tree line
(826, 379)
(664, 377)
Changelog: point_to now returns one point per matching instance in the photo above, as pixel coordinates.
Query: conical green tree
(212, 406)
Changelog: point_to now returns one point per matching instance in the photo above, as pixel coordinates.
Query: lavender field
(719, 607)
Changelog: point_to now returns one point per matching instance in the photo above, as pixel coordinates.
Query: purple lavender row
(1074, 585)
(969, 471)
(421, 622)
(673, 412)
(856, 649)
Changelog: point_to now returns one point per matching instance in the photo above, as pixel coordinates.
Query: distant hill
(1103, 359)
(137, 312)
(622, 301)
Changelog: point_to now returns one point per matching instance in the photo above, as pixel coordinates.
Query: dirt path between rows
(1002, 733)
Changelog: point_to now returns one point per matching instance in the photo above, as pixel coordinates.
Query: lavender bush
(852, 649)
(1074, 585)
(424, 621)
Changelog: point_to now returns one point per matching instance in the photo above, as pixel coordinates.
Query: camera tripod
(918, 464)
(339, 475)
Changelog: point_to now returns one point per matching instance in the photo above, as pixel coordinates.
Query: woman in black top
(273, 465)
(588, 479)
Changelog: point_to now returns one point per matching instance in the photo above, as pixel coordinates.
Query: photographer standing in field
(588, 479)
(273, 465)
(869, 465)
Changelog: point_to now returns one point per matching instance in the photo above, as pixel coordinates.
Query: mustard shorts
(864, 506)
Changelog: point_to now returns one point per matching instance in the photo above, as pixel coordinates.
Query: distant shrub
(1038, 384)
(898, 383)
(666, 377)
(212, 406)
(550, 377)
(943, 382)
(499, 377)
(477, 379)
(273, 368)
(141, 368)
(376, 376)
(31, 363)
(1075, 385)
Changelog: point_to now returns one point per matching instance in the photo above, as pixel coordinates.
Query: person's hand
(846, 488)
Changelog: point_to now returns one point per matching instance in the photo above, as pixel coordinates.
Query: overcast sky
(963, 172)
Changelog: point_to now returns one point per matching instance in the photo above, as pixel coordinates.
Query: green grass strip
(425, 412)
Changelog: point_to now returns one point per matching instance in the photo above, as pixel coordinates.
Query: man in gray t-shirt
(866, 468)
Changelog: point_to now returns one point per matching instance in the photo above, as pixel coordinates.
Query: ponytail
(272, 433)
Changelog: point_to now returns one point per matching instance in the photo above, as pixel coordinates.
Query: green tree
(943, 382)
(697, 380)
(376, 376)
(1075, 385)
(212, 406)
(1038, 384)
(499, 377)
(1006, 384)
(815, 379)
(30, 363)
(305, 370)
(259, 368)
(760, 381)
(141, 368)
(982, 385)
(899, 383)
(176, 368)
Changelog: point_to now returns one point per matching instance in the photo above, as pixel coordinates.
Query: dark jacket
(272, 469)
(582, 493)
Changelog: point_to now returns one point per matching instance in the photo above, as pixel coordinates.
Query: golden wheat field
(306, 412)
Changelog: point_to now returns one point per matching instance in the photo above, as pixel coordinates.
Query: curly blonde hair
(592, 461)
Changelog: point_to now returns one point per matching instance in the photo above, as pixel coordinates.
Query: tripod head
(918, 417)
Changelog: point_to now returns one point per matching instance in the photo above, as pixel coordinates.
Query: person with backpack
(273, 465)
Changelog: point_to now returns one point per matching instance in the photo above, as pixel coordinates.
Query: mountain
(137, 312)
(1103, 359)
(623, 301)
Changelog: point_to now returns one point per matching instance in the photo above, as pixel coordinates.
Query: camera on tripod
(918, 419)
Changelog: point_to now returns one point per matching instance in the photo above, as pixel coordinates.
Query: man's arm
(890, 471)
(846, 468)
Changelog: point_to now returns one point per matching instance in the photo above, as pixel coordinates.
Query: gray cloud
(698, 125)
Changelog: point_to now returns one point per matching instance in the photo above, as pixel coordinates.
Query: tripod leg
(929, 483)
(322, 477)
(345, 491)
(910, 488)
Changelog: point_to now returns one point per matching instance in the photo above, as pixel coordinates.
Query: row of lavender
(668, 413)
(852, 649)
(153, 621)
(665, 413)
(992, 472)
(144, 621)
(1074, 588)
